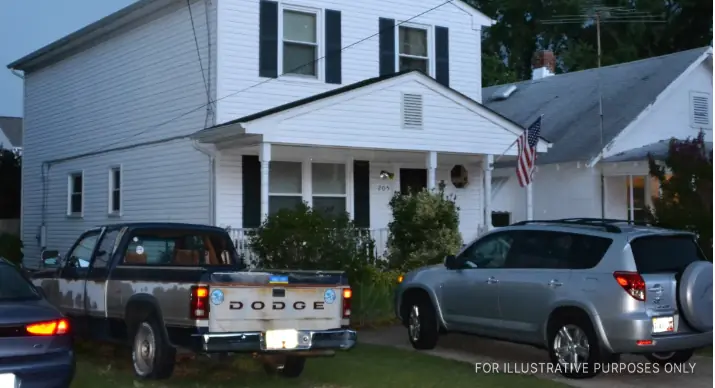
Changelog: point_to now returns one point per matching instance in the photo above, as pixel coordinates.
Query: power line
(201, 62)
(101, 149)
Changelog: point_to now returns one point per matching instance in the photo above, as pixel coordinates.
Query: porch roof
(235, 127)
(659, 151)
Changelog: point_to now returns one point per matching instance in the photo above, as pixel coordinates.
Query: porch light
(386, 175)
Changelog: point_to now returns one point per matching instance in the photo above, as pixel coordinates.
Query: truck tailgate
(252, 307)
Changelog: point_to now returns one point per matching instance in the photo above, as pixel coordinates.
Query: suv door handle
(492, 280)
(555, 283)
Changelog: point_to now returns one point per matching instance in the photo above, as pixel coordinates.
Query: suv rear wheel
(421, 323)
(574, 347)
(663, 358)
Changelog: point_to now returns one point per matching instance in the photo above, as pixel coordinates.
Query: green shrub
(373, 297)
(302, 238)
(424, 229)
(11, 248)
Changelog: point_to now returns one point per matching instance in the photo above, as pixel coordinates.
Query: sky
(27, 25)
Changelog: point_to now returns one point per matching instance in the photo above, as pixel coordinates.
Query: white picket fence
(240, 238)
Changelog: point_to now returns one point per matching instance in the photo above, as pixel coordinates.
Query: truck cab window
(179, 248)
(81, 254)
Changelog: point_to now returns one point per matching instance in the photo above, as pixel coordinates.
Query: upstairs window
(75, 192)
(300, 43)
(413, 45)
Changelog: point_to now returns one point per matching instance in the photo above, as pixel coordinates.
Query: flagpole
(529, 203)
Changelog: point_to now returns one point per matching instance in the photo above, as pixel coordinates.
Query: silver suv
(587, 290)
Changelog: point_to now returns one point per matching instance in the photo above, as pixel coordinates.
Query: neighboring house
(645, 103)
(11, 133)
(115, 128)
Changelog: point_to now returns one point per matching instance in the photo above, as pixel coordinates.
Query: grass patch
(707, 351)
(366, 366)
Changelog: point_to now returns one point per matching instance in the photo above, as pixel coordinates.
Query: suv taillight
(632, 282)
(347, 298)
(199, 305)
(57, 327)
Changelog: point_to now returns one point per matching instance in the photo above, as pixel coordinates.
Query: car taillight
(347, 298)
(632, 282)
(56, 327)
(199, 305)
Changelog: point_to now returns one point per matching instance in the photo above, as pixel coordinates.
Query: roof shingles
(569, 102)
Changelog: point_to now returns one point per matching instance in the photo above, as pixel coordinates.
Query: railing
(240, 239)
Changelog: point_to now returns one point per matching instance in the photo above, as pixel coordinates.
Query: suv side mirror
(451, 262)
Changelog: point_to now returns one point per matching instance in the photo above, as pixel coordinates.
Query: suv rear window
(654, 254)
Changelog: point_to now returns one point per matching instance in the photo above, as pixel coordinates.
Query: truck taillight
(347, 298)
(632, 282)
(199, 305)
(57, 327)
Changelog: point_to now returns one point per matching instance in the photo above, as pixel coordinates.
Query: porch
(360, 182)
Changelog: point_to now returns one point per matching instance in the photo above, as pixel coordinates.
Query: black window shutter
(333, 46)
(268, 39)
(441, 37)
(387, 46)
(361, 187)
(251, 191)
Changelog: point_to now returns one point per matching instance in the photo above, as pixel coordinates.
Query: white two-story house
(223, 111)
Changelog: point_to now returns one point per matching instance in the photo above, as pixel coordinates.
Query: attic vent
(412, 111)
(700, 109)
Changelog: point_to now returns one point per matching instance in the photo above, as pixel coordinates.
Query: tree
(10, 183)
(686, 198)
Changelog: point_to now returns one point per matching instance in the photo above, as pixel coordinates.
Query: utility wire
(201, 62)
(101, 149)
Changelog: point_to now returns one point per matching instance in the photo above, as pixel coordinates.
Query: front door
(470, 295)
(412, 180)
(73, 277)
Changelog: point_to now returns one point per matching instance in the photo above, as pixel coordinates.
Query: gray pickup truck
(164, 286)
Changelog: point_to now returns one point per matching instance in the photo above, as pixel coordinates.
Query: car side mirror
(451, 262)
(51, 259)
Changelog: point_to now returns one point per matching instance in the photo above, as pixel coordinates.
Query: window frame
(319, 42)
(111, 189)
(71, 192)
(346, 185)
(285, 194)
(429, 32)
(482, 240)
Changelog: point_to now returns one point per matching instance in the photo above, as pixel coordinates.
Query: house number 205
(383, 188)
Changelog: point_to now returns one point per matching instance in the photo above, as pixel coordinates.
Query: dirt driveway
(699, 372)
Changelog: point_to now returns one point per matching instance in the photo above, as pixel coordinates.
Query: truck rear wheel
(152, 356)
(284, 366)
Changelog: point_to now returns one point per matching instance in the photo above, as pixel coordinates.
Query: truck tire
(285, 366)
(422, 329)
(153, 358)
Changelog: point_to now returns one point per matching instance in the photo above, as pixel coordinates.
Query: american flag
(527, 153)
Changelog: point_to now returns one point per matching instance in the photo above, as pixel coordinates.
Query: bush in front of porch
(303, 238)
(424, 229)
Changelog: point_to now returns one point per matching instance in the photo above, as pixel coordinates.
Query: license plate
(8, 380)
(663, 324)
(281, 339)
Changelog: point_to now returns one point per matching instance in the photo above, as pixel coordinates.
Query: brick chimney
(543, 64)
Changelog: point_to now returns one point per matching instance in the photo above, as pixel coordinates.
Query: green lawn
(365, 366)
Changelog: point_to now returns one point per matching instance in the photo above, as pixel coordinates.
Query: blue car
(36, 347)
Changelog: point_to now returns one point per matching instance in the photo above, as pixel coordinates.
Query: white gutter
(211, 152)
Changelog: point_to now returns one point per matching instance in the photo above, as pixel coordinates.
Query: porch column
(349, 187)
(431, 170)
(264, 155)
(488, 166)
(307, 185)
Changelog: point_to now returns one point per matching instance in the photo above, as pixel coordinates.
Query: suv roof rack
(606, 220)
(606, 224)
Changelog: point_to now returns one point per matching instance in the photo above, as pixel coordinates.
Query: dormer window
(300, 43)
(413, 44)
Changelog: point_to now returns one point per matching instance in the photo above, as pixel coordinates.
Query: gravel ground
(502, 355)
